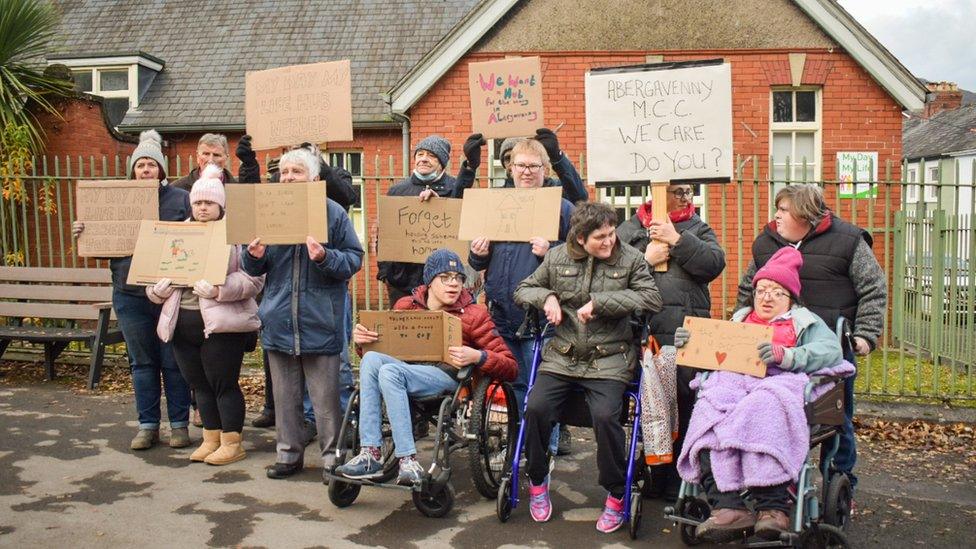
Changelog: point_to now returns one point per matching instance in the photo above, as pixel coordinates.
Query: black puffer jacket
(696, 260)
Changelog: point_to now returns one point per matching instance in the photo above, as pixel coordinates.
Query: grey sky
(933, 38)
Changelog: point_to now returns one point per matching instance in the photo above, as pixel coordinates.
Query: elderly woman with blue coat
(302, 317)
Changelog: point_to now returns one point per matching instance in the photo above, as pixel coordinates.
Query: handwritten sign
(112, 212)
(289, 105)
(409, 230)
(724, 345)
(659, 123)
(506, 97)
(852, 169)
(184, 252)
(511, 214)
(280, 213)
(413, 336)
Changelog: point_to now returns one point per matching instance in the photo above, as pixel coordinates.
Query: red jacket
(477, 331)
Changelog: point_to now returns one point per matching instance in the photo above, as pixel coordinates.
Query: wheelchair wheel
(503, 502)
(837, 503)
(822, 536)
(495, 429)
(695, 509)
(636, 505)
(434, 505)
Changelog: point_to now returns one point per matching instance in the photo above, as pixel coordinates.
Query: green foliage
(27, 29)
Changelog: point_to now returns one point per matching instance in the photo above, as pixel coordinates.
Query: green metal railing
(925, 247)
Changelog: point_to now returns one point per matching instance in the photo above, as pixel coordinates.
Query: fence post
(898, 282)
(938, 292)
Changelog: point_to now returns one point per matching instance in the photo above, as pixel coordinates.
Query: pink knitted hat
(782, 268)
(209, 187)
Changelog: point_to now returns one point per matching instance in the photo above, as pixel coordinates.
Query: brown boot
(772, 523)
(230, 450)
(726, 525)
(211, 441)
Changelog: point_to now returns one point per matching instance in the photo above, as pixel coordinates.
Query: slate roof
(207, 45)
(945, 132)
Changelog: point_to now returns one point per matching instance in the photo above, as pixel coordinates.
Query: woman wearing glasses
(694, 259)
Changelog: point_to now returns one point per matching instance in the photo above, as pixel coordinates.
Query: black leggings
(212, 366)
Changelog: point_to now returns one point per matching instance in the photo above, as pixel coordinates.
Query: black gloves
(244, 151)
(548, 139)
(472, 150)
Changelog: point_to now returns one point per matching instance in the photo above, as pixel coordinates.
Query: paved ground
(67, 477)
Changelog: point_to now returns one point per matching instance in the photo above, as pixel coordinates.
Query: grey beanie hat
(507, 146)
(438, 145)
(150, 146)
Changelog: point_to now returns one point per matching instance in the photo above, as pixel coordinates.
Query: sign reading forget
(506, 97)
(289, 105)
(409, 230)
(659, 123)
(112, 212)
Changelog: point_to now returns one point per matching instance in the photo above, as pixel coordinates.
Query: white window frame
(911, 190)
(932, 176)
(794, 128)
(357, 213)
(97, 64)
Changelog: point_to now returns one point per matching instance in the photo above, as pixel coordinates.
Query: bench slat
(36, 333)
(55, 274)
(44, 292)
(48, 310)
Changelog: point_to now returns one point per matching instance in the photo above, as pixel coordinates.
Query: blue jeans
(150, 358)
(522, 351)
(385, 379)
(345, 370)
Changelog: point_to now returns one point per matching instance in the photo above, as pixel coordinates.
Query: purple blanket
(755, 429)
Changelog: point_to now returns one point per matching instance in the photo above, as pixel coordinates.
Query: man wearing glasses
(694, 259)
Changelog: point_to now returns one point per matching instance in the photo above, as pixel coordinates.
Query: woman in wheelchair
(386, 379)
(589, 289)
(764, 446)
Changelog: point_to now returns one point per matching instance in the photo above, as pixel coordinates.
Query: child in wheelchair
(589, 289)
(386, 379)
(752, 434)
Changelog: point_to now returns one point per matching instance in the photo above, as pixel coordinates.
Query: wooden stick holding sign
(724, 345)
(659, 211)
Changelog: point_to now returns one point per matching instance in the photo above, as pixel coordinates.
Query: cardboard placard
(112, 212)
(662, 122)
(289, 105)
(506, 97)
(511, 214)
(724, 345)
(280, 213)
(409, 230)
(413, 336)
(184, 252)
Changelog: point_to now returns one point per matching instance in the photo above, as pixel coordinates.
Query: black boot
(265, 420)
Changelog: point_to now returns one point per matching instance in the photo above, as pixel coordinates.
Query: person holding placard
(769, 445)
(211, 327)
(212, 148)
(694, 259)
(429, 179)
(568, 178)
(149, 358)
(385, 379)
(589, 289)
(841, 277)
(301, 316)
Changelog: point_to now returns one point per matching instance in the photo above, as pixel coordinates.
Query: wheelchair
(479, 415)
(575, 414)
(820, 515)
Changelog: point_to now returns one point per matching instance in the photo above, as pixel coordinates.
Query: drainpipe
(404, 121)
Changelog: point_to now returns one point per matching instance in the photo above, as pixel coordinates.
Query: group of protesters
(809, 268)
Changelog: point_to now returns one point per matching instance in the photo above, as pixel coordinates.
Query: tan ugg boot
(211, 441)
(230, 450)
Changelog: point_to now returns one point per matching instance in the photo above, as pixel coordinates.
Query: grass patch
(902, 377)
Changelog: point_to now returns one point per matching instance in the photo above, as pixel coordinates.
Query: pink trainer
(613, 515)
(539, 505)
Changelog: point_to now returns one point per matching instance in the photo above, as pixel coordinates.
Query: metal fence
(925, 248)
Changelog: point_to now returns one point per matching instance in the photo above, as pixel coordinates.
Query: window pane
(113, 80)
(116, 108)
(782, 106)
(804, 148)
(782, 147)
(83, 80)
(806, 106)
(356, 164)
(336, 160)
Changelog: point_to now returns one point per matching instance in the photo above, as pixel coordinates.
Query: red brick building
(807, 82)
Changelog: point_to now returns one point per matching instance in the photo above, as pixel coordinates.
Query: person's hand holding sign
(462, 355)
(539, 246)
(362, 335)
(316, 252)
(480, 246)
(256, 249)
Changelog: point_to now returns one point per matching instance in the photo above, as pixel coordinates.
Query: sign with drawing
(659, 123)
(184, 252)
(112, 212)
(724, 345)
(506, 97)
(413, 335)
(409, 230)
(852, 169)
(511, 214)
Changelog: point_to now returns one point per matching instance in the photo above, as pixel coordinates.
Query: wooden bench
(60, 294)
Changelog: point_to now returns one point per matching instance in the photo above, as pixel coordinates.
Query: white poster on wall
(662, 122)
(852, 169)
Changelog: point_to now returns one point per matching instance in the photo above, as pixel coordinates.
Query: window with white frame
(795, 134)
(931, 191)
(352, 161)
(911, 191)
(121, 80)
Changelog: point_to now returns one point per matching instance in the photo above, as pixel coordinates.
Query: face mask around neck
(432, 176)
